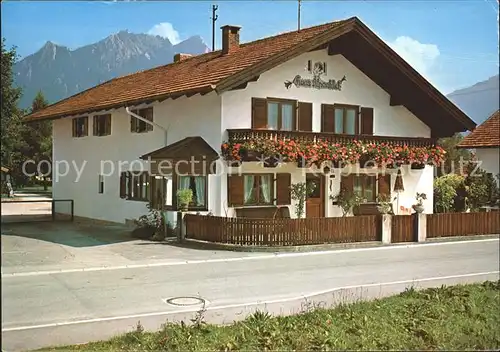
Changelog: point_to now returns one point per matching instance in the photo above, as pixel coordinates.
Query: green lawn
(447, 318)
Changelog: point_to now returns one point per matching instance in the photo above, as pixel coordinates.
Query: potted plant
(419, 206)
(184, 197)
(384, 205)
(150, 225)
(347, 201)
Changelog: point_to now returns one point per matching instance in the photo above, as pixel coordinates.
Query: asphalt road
(76, 307)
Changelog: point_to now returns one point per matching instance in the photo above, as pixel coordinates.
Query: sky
(452, 43)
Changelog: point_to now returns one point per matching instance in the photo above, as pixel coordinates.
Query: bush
(445, 192)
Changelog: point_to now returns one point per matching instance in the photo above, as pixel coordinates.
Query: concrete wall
(197, 115)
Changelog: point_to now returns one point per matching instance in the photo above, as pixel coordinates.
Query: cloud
(423, 57)
(165, 30)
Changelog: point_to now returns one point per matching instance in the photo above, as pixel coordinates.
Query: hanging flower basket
(271, 162)
(417, 166)
(302, 163)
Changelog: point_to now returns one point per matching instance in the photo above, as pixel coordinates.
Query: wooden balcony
(242, 135)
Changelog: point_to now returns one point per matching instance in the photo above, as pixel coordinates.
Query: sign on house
(316, 82)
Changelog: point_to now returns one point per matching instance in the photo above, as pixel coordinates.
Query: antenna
(298, 17)
(214, 19)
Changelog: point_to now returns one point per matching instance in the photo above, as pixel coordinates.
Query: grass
(447, 318)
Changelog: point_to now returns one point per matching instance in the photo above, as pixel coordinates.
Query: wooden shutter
(123, 185)
(235, 190)
(259, 113)
(283, 183)
(327, 118)
(384, 184)
(94, 125)
(108, 124)
(74, 127)
(305, 116)
(149, 115)
(132, 122)
(347, 182)
(367, 121)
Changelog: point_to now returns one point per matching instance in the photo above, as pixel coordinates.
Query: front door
(315, 202)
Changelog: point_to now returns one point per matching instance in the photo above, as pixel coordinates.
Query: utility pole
(298, 19)
(214, 19)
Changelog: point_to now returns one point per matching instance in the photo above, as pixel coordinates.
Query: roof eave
(160, 97)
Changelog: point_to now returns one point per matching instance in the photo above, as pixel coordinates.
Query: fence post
(181, 231)
(386, 228)
(72, 210)
(421, 227)
(53, 210)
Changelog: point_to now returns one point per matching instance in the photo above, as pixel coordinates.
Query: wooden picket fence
(403, 228)
(463, 224)
(282, 232)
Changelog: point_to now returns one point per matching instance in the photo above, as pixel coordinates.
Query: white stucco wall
(490, 159)
(184, 117)
(357, 90)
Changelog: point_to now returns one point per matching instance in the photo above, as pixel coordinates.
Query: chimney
(181, 57)
(230, 38)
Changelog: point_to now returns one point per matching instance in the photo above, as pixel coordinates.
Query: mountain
(60, 72)
(478, 101)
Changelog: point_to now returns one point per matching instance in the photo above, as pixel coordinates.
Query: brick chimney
(181, 57)
(230, 38)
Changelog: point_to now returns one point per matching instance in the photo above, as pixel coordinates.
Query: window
(139, 126)
(346, 120)
(102, 125)
(342, 119)
(281, 115)
(134, 185)
(365, 186)
(258, 189)
(161, 191)
(101, 184)
(197, 184)
(80, 126)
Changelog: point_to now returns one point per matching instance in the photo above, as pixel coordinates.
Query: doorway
(315, 202)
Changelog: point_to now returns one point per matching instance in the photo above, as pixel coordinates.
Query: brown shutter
(108, 124)
(347, 182)
(259, 113)
(94, 125)
(384, 184)
(327, 118)
(149, 116)
(132, 123)
(74, 127)
(235, 189)
(123, 185)
(305, 116)
(283, 183)
(367, 121)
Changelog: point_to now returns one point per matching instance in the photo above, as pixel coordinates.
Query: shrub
(445, 192)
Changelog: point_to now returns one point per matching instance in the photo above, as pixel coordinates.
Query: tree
(11, 117)
(456, 159)
(38, 138)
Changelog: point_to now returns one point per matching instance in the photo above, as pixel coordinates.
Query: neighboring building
(485, 139)
(334, 83)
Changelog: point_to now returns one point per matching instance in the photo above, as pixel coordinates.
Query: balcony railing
(242, 135)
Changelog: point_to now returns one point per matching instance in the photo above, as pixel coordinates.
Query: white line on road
(238, 259)
(239, 305)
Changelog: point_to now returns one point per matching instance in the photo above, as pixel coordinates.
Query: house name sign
(316, 82)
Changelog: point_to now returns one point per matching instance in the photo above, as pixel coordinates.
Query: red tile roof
(198, 74)
(485, 135)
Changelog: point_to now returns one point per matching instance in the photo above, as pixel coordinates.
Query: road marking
(240, 305)
(238, 259)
